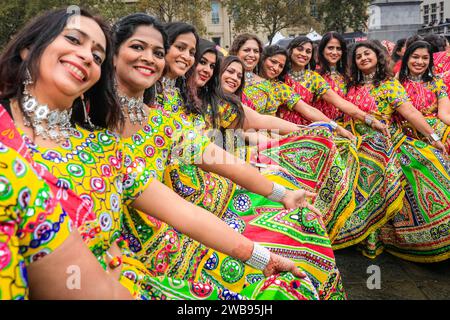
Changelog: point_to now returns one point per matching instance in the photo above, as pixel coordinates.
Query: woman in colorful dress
(69, 56)
(302, 78)
(335, 195)
(165, 251)
(266, 96)
(419, 232)
(190, 180)
(219, 105)
(380, 191)
(37, 244)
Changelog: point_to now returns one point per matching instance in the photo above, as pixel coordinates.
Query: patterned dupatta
(78, 209)
(306, 95)
(338, 85)
(422, 97)
(361, 97)
(441, 62)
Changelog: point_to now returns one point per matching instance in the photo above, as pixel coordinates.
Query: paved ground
(399, 279)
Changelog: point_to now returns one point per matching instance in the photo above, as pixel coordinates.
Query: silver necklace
(414, 78)
(249, 77)
(368, 78)
(298, 76)
(333, 70)
(134, 108)
(49, 124)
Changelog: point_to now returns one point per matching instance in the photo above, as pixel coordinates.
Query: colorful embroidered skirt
(379, 193)
(320, 163)
(298, 234)
(420, 232)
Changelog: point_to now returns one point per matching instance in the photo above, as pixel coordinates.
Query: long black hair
(404, 71)
(438, 43)
(271, 51)
(199, 97)
(382, 71)
(125, 28)
(297, 42)
(323, 62)
(233, 99)
(398, 47)
(36, 36)
(173, 30)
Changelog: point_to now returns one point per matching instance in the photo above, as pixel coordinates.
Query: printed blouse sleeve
(320, 85)
(228, 114)
(286, 95)
(440, 89)
(395, 93)
(32, 222)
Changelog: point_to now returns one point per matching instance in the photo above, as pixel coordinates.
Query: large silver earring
(87, 119)
(28, 79)
(359, 76)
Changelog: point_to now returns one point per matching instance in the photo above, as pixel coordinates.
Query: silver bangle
(434, 137)
(260, 257)
(278, 193)
(333, 125)
(368, 119)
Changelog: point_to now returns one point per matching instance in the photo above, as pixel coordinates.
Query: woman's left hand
(439, 145)
(378, 125)
(299, 199)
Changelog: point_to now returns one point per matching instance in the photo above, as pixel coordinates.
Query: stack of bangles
(260, 257)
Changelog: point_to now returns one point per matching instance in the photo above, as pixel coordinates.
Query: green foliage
(191, 11)
(269, 15)
(340, 15)
(16, 13)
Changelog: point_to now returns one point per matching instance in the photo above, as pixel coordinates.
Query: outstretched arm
(350, 109)
(164, 204)
(257, 121)
(217, 160)
(313, 114)
(416, 118)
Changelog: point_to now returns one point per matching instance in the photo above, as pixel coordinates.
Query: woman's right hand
(380, 126)
(278, 264)
(345, 133)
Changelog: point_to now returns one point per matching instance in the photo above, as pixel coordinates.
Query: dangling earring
(28, 80)
(359, 76)
(87, 119)
(378, 69)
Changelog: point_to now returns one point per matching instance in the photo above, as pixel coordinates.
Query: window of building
(215, 12)
(433, 7)
(441, 17)
(433, 18)
(426, 19)
(441, 5)
(426, 9)
(216, 40)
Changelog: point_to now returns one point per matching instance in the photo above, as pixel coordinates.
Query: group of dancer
(138, 162)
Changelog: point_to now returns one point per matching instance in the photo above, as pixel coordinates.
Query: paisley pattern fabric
(311, 88)
(32, 223)
(419, 232)
(379, 192)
